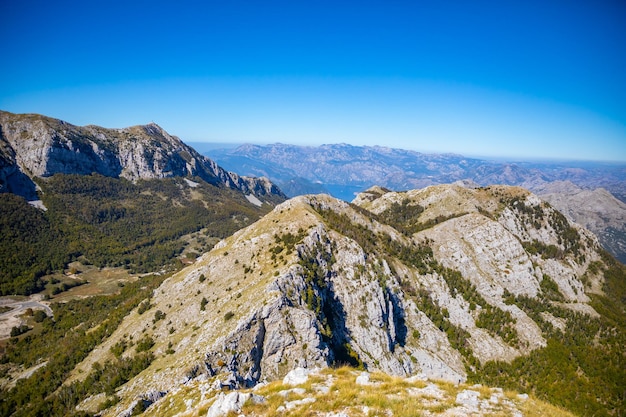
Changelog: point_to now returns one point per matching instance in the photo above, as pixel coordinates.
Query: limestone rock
(232, 403)
(363, 379)
(297, 376)
(468, 398)
(37, 146)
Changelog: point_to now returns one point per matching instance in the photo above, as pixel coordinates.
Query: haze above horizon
(517, 80)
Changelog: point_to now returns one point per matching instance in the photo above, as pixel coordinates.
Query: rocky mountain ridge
(137, 198)
(438, 282)
(38, 146)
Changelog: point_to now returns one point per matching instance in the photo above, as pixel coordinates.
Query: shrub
(118, 348)
(18, 330)
(144, 344)
(39, 316)
(158, 315)
(143, 307)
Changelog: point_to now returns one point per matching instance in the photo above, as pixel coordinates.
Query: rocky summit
(37, 146)
(445, 283)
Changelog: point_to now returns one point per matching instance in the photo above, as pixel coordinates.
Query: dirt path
(11, 318)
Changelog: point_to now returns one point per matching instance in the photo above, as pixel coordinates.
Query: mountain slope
(446, 282)
(110, 197)
(597, 210)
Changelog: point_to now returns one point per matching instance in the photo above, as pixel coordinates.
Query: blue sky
(523, 79)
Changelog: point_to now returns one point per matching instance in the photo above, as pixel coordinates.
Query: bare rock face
(319, 320)
(38, 146)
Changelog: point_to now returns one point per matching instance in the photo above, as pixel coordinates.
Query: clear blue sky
(541, 79)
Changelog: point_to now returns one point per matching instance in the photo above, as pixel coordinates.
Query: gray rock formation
(37, 146)
(232, 403)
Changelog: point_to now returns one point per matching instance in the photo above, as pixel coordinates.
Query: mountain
(352, 169)
(467, 285)
(344, 170)
(133, 198)
(597, 210)
(38, 146)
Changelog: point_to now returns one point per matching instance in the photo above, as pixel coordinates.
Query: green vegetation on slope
(30, 246)
(110, 222)
(77, 328)
(582, 368)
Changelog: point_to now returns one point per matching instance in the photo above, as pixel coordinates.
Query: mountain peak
(139, 152)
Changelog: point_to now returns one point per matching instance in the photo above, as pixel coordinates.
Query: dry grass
(385, 396)
(100, 281)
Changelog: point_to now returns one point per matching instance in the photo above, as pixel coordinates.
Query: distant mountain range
(343, 170)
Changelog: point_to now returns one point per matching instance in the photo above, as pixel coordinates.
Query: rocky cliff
(436, 282)
(38, 146)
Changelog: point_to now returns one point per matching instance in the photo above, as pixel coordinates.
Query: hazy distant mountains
(343, 170)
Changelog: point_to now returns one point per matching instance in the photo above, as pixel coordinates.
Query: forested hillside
(110, 197)
(111, 222)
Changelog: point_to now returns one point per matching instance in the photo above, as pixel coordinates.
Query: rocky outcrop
(317, 321)
(232, 403)
(37, 146)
